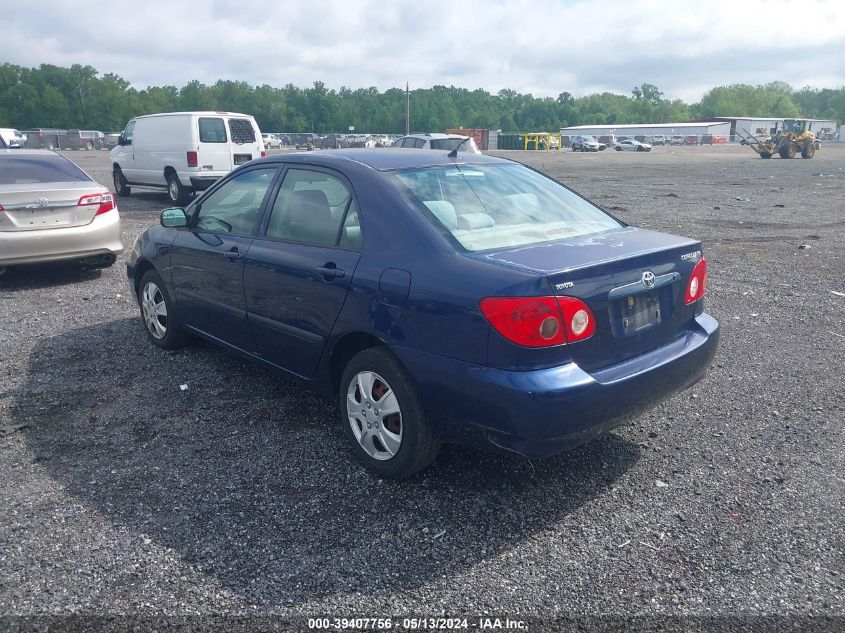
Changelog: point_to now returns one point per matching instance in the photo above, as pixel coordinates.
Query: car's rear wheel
(617, 148)
(159, 312)
(178, 193)
(382, 416)
(120, 186)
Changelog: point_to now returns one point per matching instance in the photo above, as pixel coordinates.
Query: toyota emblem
(40, 202)
(648, 279)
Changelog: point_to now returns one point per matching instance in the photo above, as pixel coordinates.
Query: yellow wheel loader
(792, 138)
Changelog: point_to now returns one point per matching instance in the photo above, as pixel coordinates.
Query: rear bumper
(102, 236)
(201, 183)
(547, 411)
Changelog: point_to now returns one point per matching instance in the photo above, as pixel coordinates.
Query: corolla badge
(648, 279)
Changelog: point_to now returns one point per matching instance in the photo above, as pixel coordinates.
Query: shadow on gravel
(37, 276)
(247, 476)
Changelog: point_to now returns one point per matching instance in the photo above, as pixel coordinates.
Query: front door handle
(331, 272)
(233, 254)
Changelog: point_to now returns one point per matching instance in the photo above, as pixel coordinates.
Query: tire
(120, 187)
(765, 155)
(641, 148)
(89, 146)
(178, 193)
(393, 446)
(163, 329)
(788, 149)
(809, 150)
(618, 149)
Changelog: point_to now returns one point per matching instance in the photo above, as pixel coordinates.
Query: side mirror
(174, 217)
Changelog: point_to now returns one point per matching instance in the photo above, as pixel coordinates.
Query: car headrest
(444, 211)
(310, 203)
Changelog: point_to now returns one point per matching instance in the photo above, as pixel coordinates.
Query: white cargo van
(183, 152)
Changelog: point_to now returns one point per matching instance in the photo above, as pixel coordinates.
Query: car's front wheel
(382, 416)
(159, 312)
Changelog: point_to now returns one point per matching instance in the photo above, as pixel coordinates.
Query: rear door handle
(233, 254)
(331, 272)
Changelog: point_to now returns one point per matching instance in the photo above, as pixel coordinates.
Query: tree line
(80, 97)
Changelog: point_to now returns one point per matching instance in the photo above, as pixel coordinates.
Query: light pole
(407, 109)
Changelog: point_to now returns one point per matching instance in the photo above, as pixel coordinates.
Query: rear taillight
(539, 321)
(104, 200)
(193, 160)
(697, 282)
(579, 320)
(263, 153)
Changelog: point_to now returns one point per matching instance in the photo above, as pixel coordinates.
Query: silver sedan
(51, 210)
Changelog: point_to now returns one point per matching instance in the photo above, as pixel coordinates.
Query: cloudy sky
(540, 46)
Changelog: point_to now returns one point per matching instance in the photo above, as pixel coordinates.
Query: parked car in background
(44, 138)
(447, 142)
(609, 140)
(706, 139)
(183, 152)
(464, 299)
(110, 140)
(587, 144)
(659, 139)
(677, 139)
(12, 138)
(51, 210)
(632, 146)
(271, 141)
(83, 139)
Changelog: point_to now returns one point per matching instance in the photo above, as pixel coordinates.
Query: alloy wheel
(154, 309)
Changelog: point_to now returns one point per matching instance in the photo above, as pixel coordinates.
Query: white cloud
(543, 47)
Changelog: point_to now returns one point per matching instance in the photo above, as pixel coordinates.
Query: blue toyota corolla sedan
(438, 297)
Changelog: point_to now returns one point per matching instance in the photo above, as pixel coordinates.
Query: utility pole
(407, 109)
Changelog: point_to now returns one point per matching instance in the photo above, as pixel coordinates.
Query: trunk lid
(605, 270)
(34, 206)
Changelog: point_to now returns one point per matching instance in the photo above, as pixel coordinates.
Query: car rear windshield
(212, 131)
(242, 131)
(20, 170)
(498, 206)
(463, 144)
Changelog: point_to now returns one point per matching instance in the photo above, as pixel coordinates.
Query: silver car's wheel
(173, 190)
(374, 415)
(155, 310)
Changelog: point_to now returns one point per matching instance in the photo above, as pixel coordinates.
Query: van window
(212, 131)
(129, 132)
(241, 131)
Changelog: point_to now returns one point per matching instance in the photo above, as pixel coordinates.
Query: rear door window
(212, 130)
(241, 131)
(312, 207)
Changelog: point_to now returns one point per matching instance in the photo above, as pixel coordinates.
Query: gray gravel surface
(124, 494)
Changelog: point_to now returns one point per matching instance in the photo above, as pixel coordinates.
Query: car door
(298, 271)
(207, 257)
(213, 151)
(124, 154)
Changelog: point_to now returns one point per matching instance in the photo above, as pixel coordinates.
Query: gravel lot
(126, 495)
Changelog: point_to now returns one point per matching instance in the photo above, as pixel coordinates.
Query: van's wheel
(50, 146)
(89, 146)
(809, 150)
(120, 186)
(765, 155)
(382, 416)
(158, 312)
(176, 191)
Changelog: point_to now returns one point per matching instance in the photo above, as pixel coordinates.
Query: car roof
(385, 159)
(34, 152)
(436, 135)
